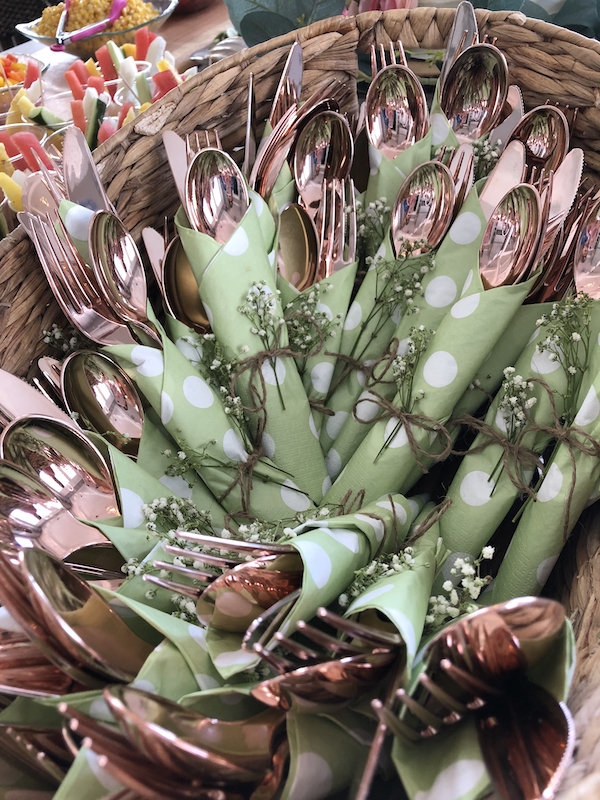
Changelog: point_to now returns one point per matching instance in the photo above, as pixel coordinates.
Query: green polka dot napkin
(386, 175)
(403, 598)
(463, 340)
(192, 413)
(333, 300)
(571, 479)
(332, 549)
(226, 276)
(456, 262)
(481, 494)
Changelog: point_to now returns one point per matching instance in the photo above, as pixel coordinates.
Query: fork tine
(469, 683)
(382, 55)
(397, 726)
(212, 561)
(277, 662)
(456, 165)
(186, 572)
(188, 150)
(358, 631)
(401, 54)
(60, 288)
(433, 723)
(327, 641)
(296, 649)
(73, 260)
(443, 697)
(173, 586)
(350, 254)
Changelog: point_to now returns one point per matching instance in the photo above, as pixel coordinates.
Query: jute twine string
(516, 457)
(430, 520)
(251, 370)
(408, 419)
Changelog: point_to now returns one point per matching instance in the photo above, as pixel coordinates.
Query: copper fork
(387, 56)
(479, 665)
(230, 591)
(80, 304)
(326, 668)
(336, 226)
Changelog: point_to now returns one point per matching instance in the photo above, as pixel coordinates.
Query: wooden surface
(186, 33)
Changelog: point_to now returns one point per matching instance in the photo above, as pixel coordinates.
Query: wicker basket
(549, 63)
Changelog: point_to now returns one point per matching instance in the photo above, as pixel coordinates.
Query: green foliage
(259, 20)
(259, 26)
(581, 16)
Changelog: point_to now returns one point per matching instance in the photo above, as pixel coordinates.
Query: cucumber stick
(93, 124)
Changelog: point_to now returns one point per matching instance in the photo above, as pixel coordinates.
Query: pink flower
(359, 7)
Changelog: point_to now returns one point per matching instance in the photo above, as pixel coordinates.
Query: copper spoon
(181, 739)
(119, 272)
(423, 207)
(65, 461)
(396, 110)
(95, 388)
(545, 133)
(324, 150)
(475, 91)
(510, 238)
(81, 620)
(216, 194)
(297, 246)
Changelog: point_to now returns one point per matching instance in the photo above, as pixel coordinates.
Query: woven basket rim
(340, 24)
(363, 23)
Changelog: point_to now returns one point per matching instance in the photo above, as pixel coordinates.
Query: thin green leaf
(300, 12)
(259, 26)
(580, 16)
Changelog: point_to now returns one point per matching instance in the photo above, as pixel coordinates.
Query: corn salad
(84, 12)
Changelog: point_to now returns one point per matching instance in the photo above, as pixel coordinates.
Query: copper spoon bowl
(475, 91)
(423, 207)
(397, 115)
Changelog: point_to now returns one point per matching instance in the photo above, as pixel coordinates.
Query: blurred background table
(186, 33)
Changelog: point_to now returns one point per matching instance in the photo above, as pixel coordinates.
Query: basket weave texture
(548, 63)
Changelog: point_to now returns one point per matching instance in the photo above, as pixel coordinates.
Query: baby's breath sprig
(383, 566)
(165, 515)
(261, 672)
(277, 531)
(485, 157)
(187, 459)
(308, 323)
(67, 340)
(261, 309)
(372, 222)
(567, 336)
(516, 402)
(567, 329)
(404, 366)
(460, 592)
(404, 369)
(218, 371)
(398, 286)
